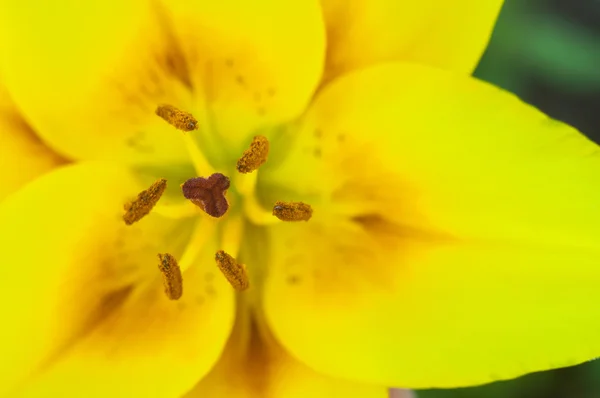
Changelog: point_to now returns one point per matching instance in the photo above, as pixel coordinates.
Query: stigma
(208, 193)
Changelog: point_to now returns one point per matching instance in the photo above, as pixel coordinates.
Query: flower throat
(209, 194)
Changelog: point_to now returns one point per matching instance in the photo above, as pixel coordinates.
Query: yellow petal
(455, 238)
(23, 156)
(258, 62)
(450, 34)
(254, 365)
(90, 77)
(81, 296)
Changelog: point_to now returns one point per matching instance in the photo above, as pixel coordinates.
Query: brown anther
(181, 120)
(255, 156)
(208, 193)
(172, 280)
(292, 211)
(145, 201)
(234, 272)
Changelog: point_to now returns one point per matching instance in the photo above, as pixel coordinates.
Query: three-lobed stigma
(208, 193)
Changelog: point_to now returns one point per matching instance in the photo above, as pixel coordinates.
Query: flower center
(209, 192)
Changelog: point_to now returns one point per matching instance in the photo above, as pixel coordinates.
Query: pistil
(208, 193)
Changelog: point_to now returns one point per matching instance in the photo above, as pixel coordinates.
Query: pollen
(145, 201)
(255, 156)
(208, 193)
(177, 118)
(172, 280)
(292, 211)
(234, 272)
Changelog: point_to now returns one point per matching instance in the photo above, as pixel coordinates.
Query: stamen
(186, 122)
(234, 272)
(292, 211)
(208, 193)
(179, 119)
(145, 201)
(172, 280)
(255, 156)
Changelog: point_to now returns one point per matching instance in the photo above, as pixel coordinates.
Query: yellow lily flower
(453, 239)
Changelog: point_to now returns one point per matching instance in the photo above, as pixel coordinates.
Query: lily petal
(455, 237)
(90, 77)
(254, 365)
(258, 62)
(82, 300)
(23, 156)
(450, 35)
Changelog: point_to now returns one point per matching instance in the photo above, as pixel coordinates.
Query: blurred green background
(548, 53)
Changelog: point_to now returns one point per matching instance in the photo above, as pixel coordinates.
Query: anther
(145, 201)
(208, 193)
(234, 272)
(172, 280)
(181, 120)
(255, 156)
(292, 211)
